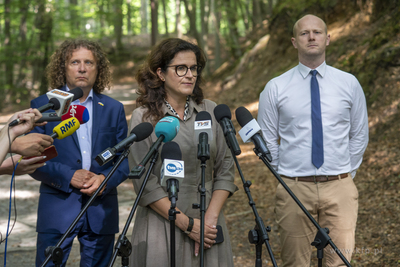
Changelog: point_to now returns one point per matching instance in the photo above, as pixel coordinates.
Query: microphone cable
(12, 186)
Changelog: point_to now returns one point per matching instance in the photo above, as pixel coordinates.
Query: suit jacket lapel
(97, 114)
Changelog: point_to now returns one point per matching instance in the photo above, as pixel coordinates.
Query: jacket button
(79, 161)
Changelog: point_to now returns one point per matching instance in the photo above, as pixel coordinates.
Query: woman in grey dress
(169, 85)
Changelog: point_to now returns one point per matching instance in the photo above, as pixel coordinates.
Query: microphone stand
(260, 232)
(55, 252)
(203, 154)
(173, 189)
(123, 246)
(322, 238)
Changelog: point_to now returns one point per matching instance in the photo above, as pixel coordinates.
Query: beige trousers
(333, 204)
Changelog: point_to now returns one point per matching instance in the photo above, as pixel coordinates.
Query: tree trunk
(154, 21)
(270, 7)
(256, 18)
(119, 18)
(164, 2)
(233, 40)
(190, 7)
(44, 24)
(75, 17)
(143, 16)
(204, 25)
(129, 16)
(216, 23)
(178, 25)
(244, 14)
(8, 50)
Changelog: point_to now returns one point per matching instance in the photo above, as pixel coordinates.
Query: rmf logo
(68, 126)
(202, 123)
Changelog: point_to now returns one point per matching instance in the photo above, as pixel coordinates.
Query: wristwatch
(190, 226)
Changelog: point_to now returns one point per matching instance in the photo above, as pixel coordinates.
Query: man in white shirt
(314, 120)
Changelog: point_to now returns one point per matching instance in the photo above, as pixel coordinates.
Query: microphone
(166, 129)
(203, 131)
(172, 170)
(77, 111)
(140, 132)
(59, 101)
(65, 128)
(251, 130)
(223, 115)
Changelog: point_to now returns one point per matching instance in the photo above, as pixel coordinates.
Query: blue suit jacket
(59, 202)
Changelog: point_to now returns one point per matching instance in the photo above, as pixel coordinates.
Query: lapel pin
(101, 104)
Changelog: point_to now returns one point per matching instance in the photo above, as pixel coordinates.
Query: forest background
(247, 43)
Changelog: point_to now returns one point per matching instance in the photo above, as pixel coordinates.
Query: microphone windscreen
(78, 111)
(142, 131)
(243, 116)
(66, 128)
(171, 150)
(203, 116)
(78, 93)
(168, 127)
(222, 111)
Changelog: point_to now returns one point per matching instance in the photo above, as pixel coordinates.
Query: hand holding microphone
(58, 100)
(251, 130)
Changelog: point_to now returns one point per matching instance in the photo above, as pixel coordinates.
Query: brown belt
(318, 178)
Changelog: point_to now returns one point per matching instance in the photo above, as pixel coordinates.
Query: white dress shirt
(284, 116)
(84, 132)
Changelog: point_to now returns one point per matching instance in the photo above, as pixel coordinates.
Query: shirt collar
(305, 71)
(89, 98)
(192, 106)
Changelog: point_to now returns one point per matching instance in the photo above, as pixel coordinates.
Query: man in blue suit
(68, 180)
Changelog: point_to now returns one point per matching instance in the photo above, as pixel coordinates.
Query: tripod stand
(322, 238)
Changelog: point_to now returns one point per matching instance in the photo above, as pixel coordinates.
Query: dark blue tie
(317, 136)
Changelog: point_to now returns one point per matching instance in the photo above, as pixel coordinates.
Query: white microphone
(173, 168)
(251, 131)
(60, 100)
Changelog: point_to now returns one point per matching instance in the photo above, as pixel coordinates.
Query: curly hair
(56, 70)
(151, 89)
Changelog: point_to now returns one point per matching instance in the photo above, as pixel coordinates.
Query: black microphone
(172, 170)
(166, 129)
(203, 131)
(223, 115)
(140, 132)
(251, 130)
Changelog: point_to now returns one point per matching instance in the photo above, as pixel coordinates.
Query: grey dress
(151, 232)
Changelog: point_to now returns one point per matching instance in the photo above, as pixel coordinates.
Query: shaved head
(296, 25)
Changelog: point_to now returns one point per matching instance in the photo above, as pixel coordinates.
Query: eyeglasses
(181, 70)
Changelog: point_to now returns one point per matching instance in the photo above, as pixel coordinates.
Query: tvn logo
(69, 125)
(203, 123)
(174, 168)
